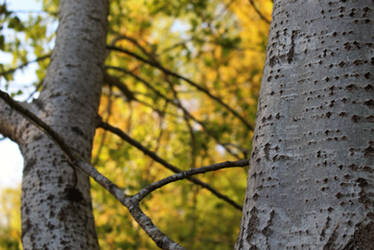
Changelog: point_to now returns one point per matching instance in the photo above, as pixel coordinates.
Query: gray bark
(56, 202)
(311, 181)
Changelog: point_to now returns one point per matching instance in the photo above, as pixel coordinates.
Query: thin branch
(75, 161)
(186, 119)
(160, 134)
(9, 71)
(259, 12)
(173, 102)
(38, 123)
(103, 137)
(189, 81)
(130, 95)
(135, 42)
(185, 174)
(166, 164)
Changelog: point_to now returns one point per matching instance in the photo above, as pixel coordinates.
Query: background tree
(310, 183)
(180, 87)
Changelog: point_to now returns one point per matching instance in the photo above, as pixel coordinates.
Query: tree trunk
(311, 181)
(56, 201)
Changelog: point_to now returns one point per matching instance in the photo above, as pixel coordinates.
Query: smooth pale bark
(311, 181)
(56, 202)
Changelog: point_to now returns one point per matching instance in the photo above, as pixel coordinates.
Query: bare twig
(185, 174)
(9, 71)
(259, 12)
(144, 221)
(189, 81)
(135, 42)
(130, 96)
(95, 159)
(173, 102)
(166, 164)
(186, 119)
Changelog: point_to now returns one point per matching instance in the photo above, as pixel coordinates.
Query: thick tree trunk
(311, 181)
(56, 202)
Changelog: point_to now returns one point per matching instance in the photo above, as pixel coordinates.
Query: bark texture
(311, 181)
(56, 202)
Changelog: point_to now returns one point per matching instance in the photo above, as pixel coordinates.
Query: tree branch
(166, 164)
(9, 71)
(185, 174)
(130, 96)
(75, 161)
(10, 121)
(192, 83)
(259, 12)
(173, 102)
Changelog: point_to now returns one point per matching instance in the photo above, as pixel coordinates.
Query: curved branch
(166, 164)
(173, 102)
(10, 121)
(9, 71)
(189, 81)
(75, 161)
(259, 12)
(185, 174)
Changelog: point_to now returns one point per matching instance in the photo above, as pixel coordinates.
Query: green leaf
(16, 24)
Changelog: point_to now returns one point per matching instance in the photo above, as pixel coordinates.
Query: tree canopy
(180, 92)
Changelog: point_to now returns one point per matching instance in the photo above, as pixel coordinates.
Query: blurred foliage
(220, 45)
(10, 219)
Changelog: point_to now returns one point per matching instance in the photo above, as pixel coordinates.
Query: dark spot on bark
(26, 226)
(347, 46)
(351, 87)
(357, 62)
(369, 151)
(369, 87)
(347, 176)
(331, 241)
(29, 164)
(38, 103)
(355, 118)
(73, 194)
(78, 131)
(50, 197)
(369, 103)
(357, 44)
(267, 151)
(50, 226)
(252, 225)
(327, 225)
(370, 118)
(273, 60)
(362, 182)
(37, 137)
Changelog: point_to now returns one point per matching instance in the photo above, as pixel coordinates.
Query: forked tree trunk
(56, 202)
(311, 180)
